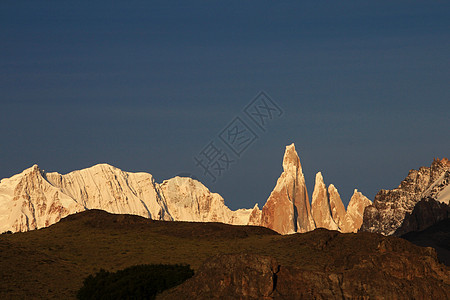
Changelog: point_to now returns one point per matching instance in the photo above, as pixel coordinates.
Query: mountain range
(420, 200)
(35, 199)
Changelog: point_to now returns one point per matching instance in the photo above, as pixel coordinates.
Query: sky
(362, 89)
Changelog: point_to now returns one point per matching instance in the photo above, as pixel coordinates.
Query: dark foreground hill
(51, 263)
(436, 236)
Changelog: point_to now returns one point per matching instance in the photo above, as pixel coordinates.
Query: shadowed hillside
(52, 262)
(436, 236)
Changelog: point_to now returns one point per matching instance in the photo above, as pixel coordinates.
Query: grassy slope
(52, 262)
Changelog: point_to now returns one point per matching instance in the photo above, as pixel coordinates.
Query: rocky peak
(336, 206)
(426, 213)
(287, 209)
(355, 211)
(390, 207)
(443, 163)
(33, 172)
(255, 216)
(34, 168)
(291, 161)
(108, 188)
(320, 205)
(319, 179)
(34, 199)
(28, 201)
(189, 200)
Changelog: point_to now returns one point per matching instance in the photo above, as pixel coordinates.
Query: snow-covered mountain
(28, 201)
(34, 199)
(391, 207)
(189, 200)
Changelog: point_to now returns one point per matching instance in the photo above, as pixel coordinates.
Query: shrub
(136, 282)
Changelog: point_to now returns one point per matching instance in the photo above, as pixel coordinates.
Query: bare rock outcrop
(287, 209)
(232, 276)
(390, 207)
(355, 211)
(379, 268)
(255, 216)
(320, 206)
(189, 200)
(329, 212)
(336, 206)
(436, 236)
(426, 213)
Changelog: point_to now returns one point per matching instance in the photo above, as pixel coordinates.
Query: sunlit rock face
(320, 206)
(329, 212)
(287, 209)
(35, 199)
(336, 206)
(189, 200)
(255, 216)
(390, 207)
(355, 211)
(113, 190)
(28, 201)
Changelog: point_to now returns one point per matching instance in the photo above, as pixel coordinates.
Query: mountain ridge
(34, 199)
(390, 207)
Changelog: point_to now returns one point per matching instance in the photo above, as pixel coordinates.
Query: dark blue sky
(144, 86)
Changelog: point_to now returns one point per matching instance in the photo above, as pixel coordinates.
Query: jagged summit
(390, 207)
(320, 205)
(329, 212)
(355, 211)
(189, 200)
(291, 161)
(337, 207)
(183, 180)
(34, 199)
(34, 169)
(319, 178)
(288, 209)
(444, 161)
